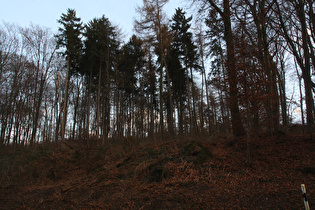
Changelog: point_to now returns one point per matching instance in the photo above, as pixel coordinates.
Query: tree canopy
(86, 81)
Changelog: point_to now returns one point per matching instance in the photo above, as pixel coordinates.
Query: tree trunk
(76, 105)
(204, 81)
(306, 72)
(169, 91)
(237, 125)
(98, 101)
(304, 62)
(89, 106)
(65, 104)
(189, 101)
(301, 95)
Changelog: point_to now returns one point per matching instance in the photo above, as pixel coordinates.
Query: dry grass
(159, 175)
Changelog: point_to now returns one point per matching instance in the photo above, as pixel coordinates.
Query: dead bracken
(161, 175)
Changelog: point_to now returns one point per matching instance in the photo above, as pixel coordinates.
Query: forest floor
(176, 174)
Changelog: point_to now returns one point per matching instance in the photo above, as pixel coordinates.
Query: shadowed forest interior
(224, 71)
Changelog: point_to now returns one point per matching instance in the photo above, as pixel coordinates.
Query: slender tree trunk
(306, 73)
(301, 94)
(161, 104)
(76, 106)
(194, 117)
(189, 101)
(65, 104)
(180, 115)
(152, 116)
(152, 96)
(237, 125)
(117, 105)
(37, 109)
(98, 101)
(89, 106)
(204, 81)
(133, 120)
(107, 97)
(169, 91)
(283, 98)
(58, 113)
(6, 124)
(301, 102)
(248, 136)
(201, 105)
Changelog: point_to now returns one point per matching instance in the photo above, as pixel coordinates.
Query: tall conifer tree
(69, 37)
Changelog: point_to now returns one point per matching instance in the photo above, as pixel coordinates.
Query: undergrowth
(180, 174)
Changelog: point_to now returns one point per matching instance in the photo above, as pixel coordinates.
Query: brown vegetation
(160, 175)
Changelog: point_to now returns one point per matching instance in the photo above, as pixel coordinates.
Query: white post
(307, 207)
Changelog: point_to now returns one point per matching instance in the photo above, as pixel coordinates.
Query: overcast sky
(46, 12)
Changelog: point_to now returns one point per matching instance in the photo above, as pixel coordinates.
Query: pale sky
(46, 12)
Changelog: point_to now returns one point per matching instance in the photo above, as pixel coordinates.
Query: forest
(226, 74)
(193, 111)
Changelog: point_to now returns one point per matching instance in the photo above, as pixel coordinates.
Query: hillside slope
(181, 174)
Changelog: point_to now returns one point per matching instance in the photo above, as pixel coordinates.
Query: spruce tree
(69, 37)
(101, 49)
(184, 52)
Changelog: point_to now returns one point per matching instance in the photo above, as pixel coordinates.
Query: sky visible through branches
(46, 13)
